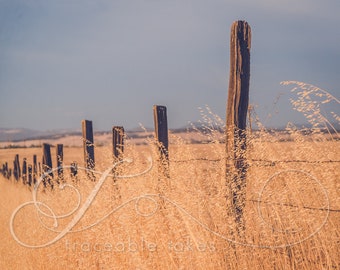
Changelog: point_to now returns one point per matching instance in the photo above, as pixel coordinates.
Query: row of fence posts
(237, 107)
(118, 135)
(31, 172)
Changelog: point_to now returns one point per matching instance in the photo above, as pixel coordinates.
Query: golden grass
(292, 211)
(186, 226)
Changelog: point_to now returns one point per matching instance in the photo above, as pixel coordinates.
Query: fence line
(236, 162)
(16, 172)
(30, 173)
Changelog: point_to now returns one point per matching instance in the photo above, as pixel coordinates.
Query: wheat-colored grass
(292, 211)
(185, 228)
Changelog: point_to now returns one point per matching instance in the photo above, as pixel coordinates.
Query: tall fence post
(161, 132)
(88, 145)
(60, 157)
(237, 106)
(47, 163)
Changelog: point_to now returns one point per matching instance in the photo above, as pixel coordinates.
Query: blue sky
(63, 61)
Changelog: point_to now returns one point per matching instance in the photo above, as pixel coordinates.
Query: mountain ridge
(22, 134)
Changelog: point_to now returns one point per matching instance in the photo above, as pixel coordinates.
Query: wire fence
(267, 162)
(8, 173)
(295, 206)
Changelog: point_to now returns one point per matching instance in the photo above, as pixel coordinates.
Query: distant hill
(21, 134)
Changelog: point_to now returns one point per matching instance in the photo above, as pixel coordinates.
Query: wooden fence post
(35, 169)
(47, 163)
(5, 170)
(24, 171)
(16, 167)
(88, 146)
(74, 169)
(9, 171)
(161, 132)
(60, 157)
(39, 169)
(118, 142)
(238, 98)
(29, 169)
(118, 136)
(14, 170)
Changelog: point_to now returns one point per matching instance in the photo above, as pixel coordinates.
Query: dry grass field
(135, 218)
(292, 211)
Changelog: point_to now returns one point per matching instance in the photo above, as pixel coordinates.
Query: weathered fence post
(118, 136)
(88, 145)
(6, 171)
(47, 163)
(118, 142)
(16, 167)
(3, 170)
(238, 98)
(60, 157)
(35, 169)
(74, 169)
(24, 171)
(39, 169)
(29, 169)
(161, 132)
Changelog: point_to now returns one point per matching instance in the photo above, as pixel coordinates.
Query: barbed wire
(295, 206)
(270, 162)
(196, 159)
(275, 162)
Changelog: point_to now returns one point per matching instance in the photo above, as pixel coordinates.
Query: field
(146, 221)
